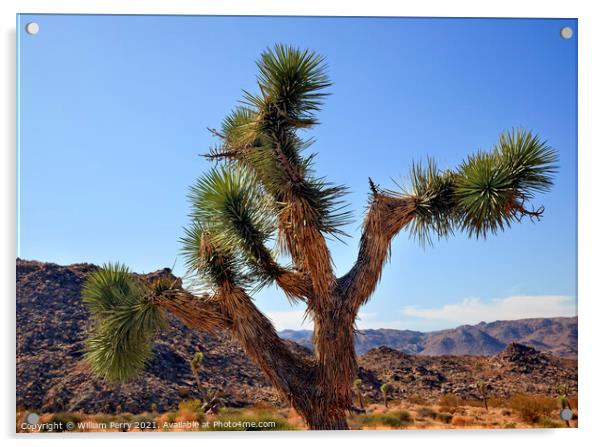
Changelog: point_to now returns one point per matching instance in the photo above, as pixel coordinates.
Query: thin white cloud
(292, 319)
(473, 310)
(468, 311)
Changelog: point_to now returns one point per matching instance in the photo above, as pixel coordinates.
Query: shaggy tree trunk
(319, 387)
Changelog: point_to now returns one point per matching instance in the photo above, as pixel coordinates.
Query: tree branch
(386, 216)
(296, 285)
(203, 313)
(231, 309)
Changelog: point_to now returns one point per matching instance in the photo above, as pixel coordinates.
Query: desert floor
(448, 412)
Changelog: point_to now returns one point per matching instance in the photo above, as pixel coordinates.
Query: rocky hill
(52, 324)
(516, 369)
(557, 336)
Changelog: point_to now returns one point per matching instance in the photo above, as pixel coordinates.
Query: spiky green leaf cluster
(196, 362)
(125, 321)
(235, 208)
(233, 219)
(292, 80)
(262, 135)
(487, 192)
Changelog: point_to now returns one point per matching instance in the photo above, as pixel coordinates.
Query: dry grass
(533, 408)
(520, 411)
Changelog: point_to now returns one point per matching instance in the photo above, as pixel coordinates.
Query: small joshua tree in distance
(357, 383)
(384, 390)
(481, 387)
(266, 191)
(563, 400)
(210, 398)
(196, 363)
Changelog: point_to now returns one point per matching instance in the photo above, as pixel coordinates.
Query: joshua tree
(357, 383)
(210, 398)
(196, 363)
(266, 190)
(563, 400)
(481, 387)
(384, 390)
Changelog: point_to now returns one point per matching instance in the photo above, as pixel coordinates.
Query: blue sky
(113, 112)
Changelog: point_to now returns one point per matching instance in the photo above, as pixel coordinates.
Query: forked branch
(387, 215)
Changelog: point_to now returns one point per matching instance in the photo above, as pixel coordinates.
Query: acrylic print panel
(277, 223)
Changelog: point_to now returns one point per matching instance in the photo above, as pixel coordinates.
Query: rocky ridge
(52, 325)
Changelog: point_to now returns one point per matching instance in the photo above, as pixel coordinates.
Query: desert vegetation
(265, 190)
(520, 411)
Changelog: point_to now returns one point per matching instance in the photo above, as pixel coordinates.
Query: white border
(590, 163)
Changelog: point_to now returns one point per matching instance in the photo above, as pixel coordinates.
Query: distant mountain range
(557, 336)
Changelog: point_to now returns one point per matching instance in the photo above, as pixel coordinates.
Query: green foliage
(143, 421)
(261, 136)
(393, 419)
(427, 412)
(549, 423)
(171, 416)
(563, 402)
(196, 362)
(230, 208)
(62, 419)
(292, 80)
(446, 418)
(481, 386)
(488, 191)
(192, 410)
(125, 321)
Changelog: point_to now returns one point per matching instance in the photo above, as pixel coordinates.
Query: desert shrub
(549, 423)
(393, 419)
(449, 401)
(460, 421)
(510, 425)
(532, 408)
(171, 416)
(397, 419)
(63, 419)
(426, 412)
(263, 406)
(231, 412)
(103, 418)
(257, 417)
(416, 399)
(190, 411)
(144, 421)
(445, 417)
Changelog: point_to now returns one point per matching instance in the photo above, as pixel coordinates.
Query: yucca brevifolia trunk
(266, 190)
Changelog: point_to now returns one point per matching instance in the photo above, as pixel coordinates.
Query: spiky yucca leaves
(261, 136)
(125, 321)
(292, 81)
(233, 220)
(487, 192)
